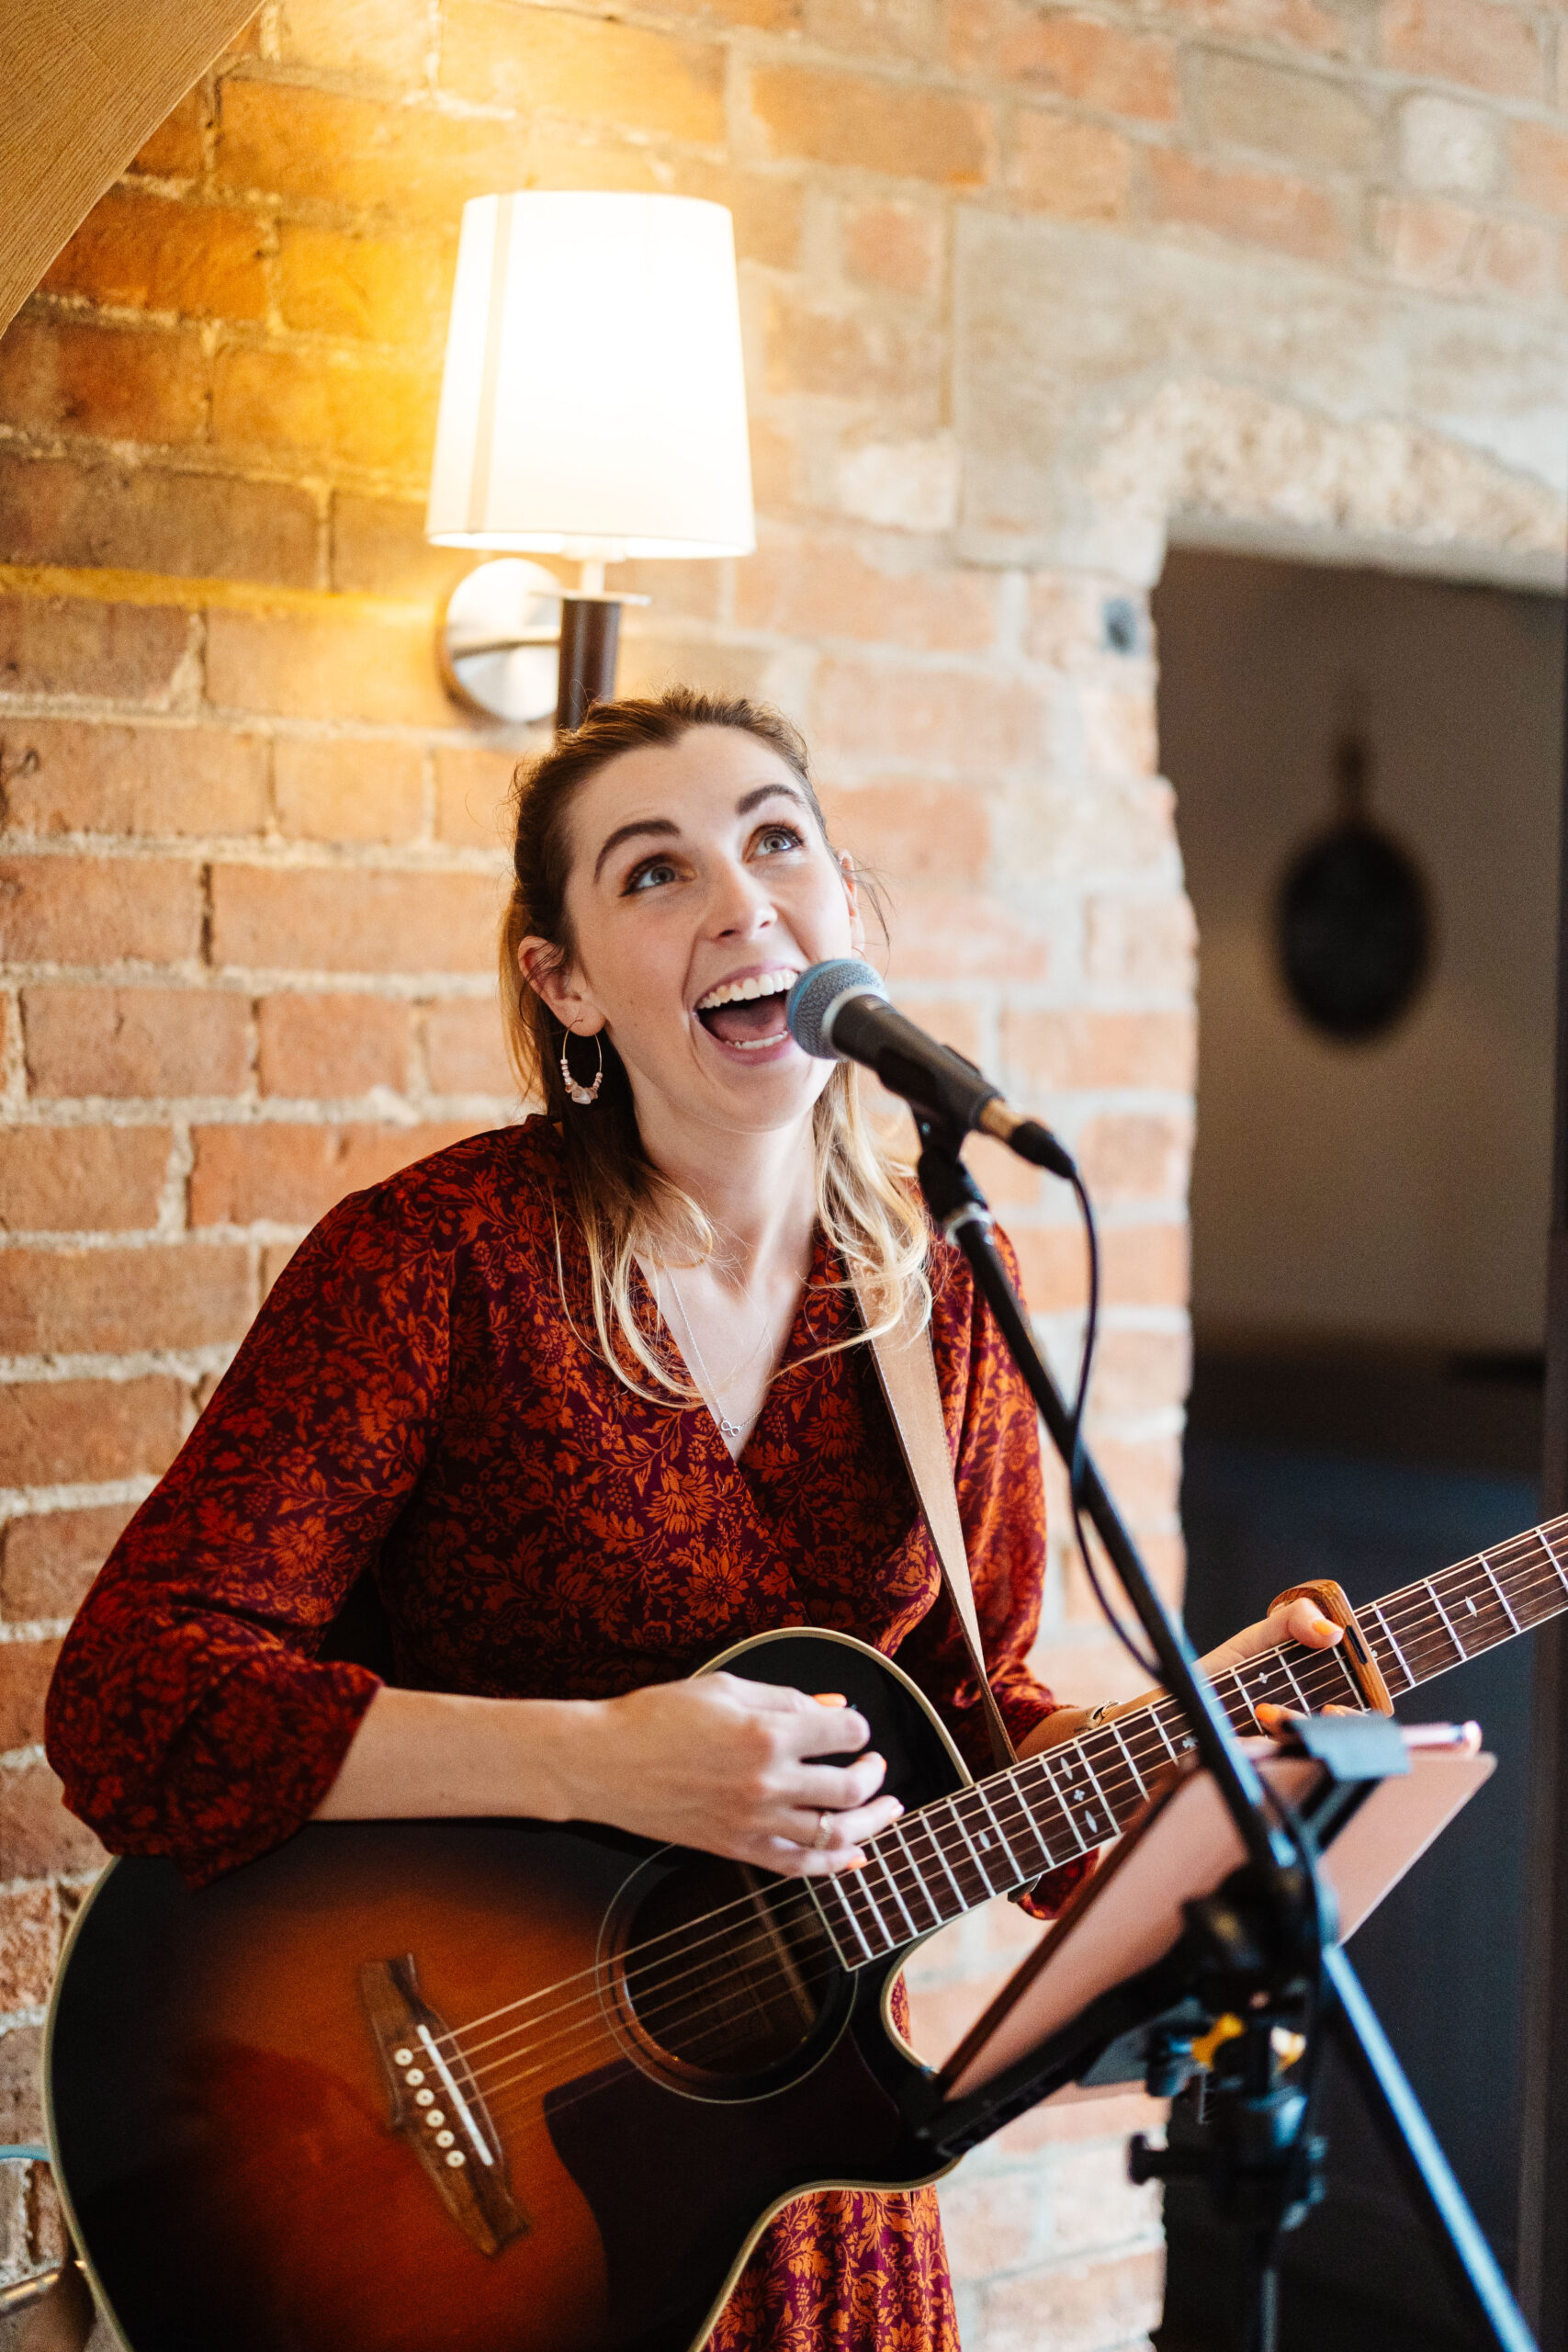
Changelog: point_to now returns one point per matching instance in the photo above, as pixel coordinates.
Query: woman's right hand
(728, 1766)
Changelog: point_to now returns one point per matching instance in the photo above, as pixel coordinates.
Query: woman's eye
(776, 837)
(650, 874)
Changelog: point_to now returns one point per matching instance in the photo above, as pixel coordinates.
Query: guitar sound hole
(718, 1970)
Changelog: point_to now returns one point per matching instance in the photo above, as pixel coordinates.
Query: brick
(326, 665)
(827, 588)
(389, 290)
(67, 1432)
(59, 645)
(111, 1301)
(1259, 208)
(1304, 118)
(293, 1174)
(147, 385)
(868, 28)
(1114, 2117)
(1079, 171)
(845, 119)
(472, 790)
(1077, 2311)
(856, 354)
(1472, 41)
(1148, 945)
(1449, 148)
(176, 149)
(464, 1053)
(97, 910)
(765, 15)
(1093, 2203)
(1140, 1372)
(135, 1041)
(367, 410)
(991, 2221)
(1096, 64)
(67, 776)
(381, 41)
(1135, 1156)
(378, 548)
(1067, 618)
(21, 2106)
(544, 59)
(952, 934)
(282, 139)
(1538, 162)
(1052, 1267)
(952, 719)
(1429, 241)
(345, 921)
(1073, 1048)
(37, 1833)
(151, 253)
(1120, 730)
(25, 1670)
(29, 1946)
(914, 831)
(1294, 24)
(1146, 1265)
(331, 1047)
(52, 511)
(87, 1179)
(895, 245)
(1063, 834)
(767, 208)
(344, 791)
(48, 1559)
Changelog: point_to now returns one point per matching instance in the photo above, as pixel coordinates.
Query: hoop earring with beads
(583, 1095)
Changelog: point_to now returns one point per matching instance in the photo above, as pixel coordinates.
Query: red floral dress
(418, 1397)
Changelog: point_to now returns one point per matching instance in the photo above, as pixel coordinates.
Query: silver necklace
(727, 1428)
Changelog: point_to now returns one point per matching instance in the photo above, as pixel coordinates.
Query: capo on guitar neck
(1332, 1599)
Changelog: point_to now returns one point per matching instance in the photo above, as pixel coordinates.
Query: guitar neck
(1000, 1834)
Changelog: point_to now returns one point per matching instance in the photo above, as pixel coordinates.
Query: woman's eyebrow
(662, 827)
(754, 798)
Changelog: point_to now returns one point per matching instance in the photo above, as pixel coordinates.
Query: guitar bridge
(436, 2106)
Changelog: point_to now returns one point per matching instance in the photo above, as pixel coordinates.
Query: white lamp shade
(593, 403)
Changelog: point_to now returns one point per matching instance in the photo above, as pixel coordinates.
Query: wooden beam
(86, 82)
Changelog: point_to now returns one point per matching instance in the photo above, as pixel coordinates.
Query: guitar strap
(906, 1370)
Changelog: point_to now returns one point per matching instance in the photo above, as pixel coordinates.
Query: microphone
(839, 1012)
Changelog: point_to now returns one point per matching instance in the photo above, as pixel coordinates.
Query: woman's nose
(737, 904)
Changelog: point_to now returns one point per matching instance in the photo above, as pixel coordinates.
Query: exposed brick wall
(250, 867)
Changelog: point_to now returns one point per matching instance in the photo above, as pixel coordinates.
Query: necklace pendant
(728, 1429)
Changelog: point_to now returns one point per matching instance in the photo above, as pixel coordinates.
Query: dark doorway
(1369, 1218)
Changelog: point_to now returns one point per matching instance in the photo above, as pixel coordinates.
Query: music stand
(1116, 1993)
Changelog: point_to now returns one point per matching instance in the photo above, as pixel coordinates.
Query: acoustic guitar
(510, 2086)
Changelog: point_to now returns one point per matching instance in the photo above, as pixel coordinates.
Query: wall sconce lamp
(593, 406)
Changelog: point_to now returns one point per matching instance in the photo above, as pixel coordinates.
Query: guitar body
(635, 2055)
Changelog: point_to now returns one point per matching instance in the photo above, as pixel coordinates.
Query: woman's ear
(851, 894)
(550, 976)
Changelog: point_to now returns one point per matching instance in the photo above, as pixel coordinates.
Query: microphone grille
(820, 988)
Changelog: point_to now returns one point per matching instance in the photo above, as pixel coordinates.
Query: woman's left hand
(1299, 1621)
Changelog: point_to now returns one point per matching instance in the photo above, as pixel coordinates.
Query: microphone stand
(1266, 1942)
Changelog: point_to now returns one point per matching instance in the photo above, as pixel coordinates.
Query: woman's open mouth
(749, 1016)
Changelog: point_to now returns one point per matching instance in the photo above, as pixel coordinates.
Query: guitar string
(1126, 1784)
(1156, 1752)
(1476, 1568)
(1120, 1783)
(690, 2050)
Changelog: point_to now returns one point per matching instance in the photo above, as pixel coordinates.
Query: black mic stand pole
(1271, 1927)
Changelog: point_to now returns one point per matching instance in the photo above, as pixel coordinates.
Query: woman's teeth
(745, 991)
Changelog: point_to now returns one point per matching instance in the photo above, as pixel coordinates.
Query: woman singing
(590, 1397)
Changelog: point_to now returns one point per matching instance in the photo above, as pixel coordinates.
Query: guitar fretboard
(1002, 1833)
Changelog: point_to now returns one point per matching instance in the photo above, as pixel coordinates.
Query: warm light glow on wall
(593, 404)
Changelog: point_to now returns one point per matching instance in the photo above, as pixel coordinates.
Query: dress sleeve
(187, 1716)
(1001, 1503)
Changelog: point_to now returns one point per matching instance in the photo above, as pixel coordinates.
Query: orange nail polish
(831, 1699)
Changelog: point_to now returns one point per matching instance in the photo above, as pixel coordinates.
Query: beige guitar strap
(905, 1369)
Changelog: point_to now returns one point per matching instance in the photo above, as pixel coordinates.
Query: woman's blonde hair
(626, 1209)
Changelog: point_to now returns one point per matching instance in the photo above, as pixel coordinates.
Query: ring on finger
(824, 1832)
